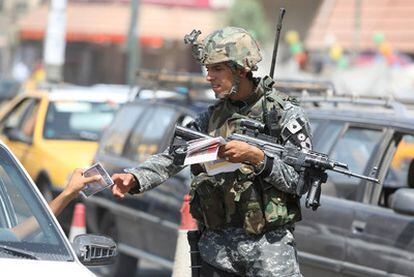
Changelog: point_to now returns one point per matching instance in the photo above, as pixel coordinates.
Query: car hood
(21, 267)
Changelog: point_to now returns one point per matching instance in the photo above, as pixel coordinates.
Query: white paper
(203, 150)
(220, 166)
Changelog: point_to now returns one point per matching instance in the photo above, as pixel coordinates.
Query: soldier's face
(220, 77)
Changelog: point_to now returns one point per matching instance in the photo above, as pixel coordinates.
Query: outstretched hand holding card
(104, 182)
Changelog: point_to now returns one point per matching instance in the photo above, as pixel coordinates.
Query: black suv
(361, 228)
(144, 226)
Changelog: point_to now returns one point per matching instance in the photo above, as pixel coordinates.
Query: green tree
(249, 14)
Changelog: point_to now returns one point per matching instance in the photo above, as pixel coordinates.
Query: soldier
(247, 216)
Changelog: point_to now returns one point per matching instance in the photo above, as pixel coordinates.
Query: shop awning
(337, 21)
(108, 23)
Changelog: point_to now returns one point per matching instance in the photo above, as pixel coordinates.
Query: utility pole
(357, 29)
(55, 41)
(133, 45)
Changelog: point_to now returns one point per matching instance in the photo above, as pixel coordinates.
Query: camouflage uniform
(247, 216)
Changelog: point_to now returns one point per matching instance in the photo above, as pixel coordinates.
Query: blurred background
(86, 42)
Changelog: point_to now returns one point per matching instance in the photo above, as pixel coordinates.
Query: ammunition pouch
(279, 208)
(206, 201)
(234, 200)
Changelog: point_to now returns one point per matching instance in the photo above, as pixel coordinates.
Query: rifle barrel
(189, 133)
(360, 176)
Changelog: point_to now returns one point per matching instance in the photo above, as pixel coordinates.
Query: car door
(152, 135)
(323, 234)
(313, 236)
(17, 127)
(382, 239)
(162, 203)
(112, 144)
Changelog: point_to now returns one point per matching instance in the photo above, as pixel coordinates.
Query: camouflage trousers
(232, 250)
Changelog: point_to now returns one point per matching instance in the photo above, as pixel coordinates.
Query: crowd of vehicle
(361, 228)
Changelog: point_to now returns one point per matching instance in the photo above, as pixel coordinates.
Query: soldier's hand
(123, 182)
(240, 152)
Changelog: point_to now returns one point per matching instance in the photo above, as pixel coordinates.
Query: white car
(31, 240)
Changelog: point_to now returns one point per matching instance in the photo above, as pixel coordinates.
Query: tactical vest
(240, 198)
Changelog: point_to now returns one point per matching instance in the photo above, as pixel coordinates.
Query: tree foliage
(249, 15)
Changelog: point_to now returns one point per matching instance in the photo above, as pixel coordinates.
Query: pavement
(145, 269)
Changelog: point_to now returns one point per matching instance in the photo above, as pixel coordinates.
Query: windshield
(78, 120)
(26, 227)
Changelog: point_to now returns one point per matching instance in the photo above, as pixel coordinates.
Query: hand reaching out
(77, 182)
(123, 183)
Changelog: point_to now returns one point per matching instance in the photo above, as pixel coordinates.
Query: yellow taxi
(404, 153)
(56, 130)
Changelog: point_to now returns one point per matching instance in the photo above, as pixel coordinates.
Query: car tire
(124, 265)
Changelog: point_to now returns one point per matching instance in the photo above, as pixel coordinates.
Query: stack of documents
(205, 151)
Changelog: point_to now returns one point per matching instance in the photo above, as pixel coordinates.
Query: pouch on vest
(206, 204)
(277, 208)
(251, 210)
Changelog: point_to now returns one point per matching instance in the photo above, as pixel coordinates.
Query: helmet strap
(236, 81)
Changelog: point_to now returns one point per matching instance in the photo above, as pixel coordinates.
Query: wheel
(124, 265)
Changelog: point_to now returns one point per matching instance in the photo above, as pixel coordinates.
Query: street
(145, 269)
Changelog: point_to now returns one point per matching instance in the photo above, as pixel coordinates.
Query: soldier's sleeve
(295, 130)
(159, 167)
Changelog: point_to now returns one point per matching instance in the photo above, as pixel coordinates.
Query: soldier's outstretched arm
(156, 169)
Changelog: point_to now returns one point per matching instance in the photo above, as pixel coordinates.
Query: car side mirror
(95, 249)
(403, 201)
(15, 134)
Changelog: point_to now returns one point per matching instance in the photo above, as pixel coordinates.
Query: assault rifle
(313, 162)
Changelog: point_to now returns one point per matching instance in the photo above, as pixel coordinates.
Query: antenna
(282, 12)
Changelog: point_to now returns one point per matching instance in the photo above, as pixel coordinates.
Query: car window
(314, 124)
(28, 122)
(25, 223)
(355, 147)
(115, 137)
(398, 174)
(325, 137)
(14, 118)
(147, 141)
(78, 120)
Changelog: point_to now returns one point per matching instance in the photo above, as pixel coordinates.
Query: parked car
(31, 240)
(144, 226)
(56, 130)
(361, 228)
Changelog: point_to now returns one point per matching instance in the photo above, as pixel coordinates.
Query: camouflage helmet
(227, 44)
